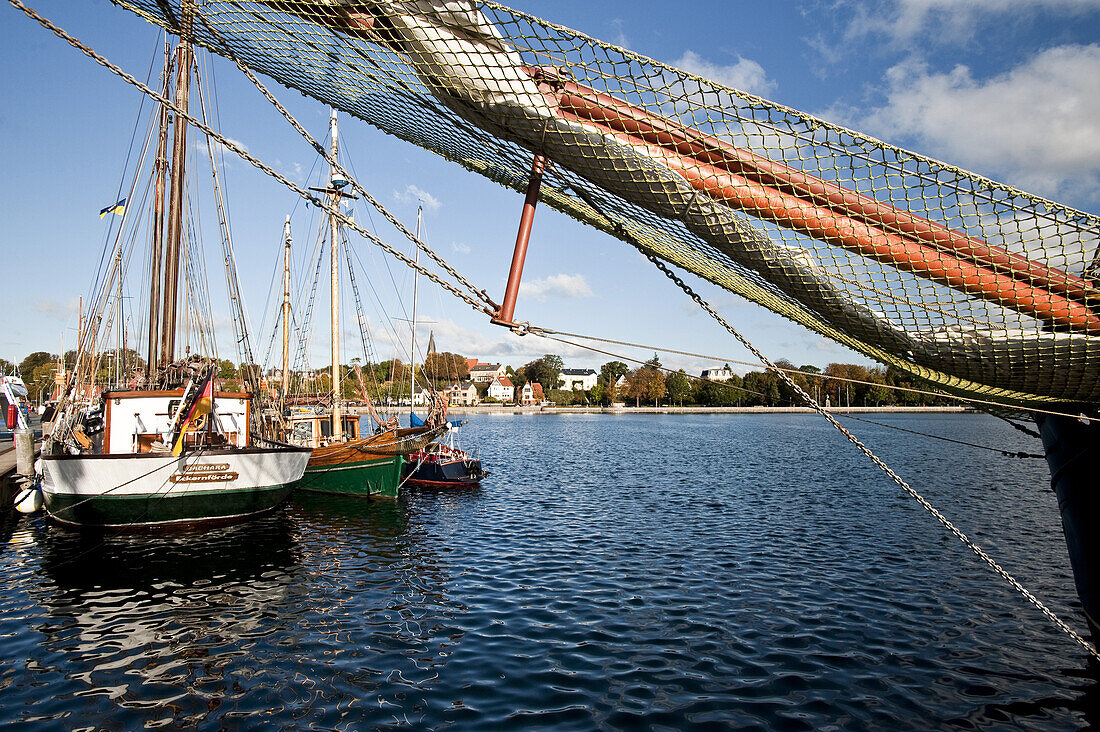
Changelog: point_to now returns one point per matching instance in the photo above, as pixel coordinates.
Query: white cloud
(620, 38)
(904, 21)
(460, 248)
(222, 152)
(560, 285)
(54, 309)
(414, 194)
(1038, 125)
(745, 75)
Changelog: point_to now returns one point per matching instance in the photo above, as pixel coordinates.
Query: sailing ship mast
(157, 245)
(412, 348)
(286, 307)
(334, 241)
(184, 61)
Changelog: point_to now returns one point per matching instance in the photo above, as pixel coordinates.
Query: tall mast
(334, 241)
(412, 348)
(286, 306)
(157, 245)
(184, 58)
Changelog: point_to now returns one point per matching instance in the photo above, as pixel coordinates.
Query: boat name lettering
(206, 473)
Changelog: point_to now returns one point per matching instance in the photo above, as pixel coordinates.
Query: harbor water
(664, 572)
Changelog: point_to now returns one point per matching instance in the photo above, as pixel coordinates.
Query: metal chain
(546, 332)
(522, 328)
(246, 156)
(812, 403)
(327, 155)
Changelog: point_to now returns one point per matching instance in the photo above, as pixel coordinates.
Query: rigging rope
(523, 328)
(327, 156)
(1006, 453)
(548, 332)
(812, 403)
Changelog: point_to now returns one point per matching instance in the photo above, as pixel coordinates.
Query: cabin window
(326, 427)
(303, 431)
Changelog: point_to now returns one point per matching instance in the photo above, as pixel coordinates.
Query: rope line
(958, 533)
(813, 404)
(1006, 453)
(545, 332)
(327, 155)
(255, 162)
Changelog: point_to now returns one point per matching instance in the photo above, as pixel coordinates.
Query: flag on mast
(204, 404)
(118, 208)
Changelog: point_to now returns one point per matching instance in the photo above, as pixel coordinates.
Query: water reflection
(137, 623)
(577, 589)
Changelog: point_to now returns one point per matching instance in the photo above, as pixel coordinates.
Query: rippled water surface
(614, 571)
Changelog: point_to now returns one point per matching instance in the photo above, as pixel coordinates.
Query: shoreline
(500, 409)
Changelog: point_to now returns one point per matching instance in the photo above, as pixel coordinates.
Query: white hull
(111, 490)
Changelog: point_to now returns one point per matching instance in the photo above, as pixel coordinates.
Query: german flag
(203, 404)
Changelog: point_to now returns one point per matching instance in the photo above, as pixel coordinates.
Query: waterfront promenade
(505, 409)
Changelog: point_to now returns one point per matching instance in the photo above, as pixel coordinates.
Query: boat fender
(28, 500)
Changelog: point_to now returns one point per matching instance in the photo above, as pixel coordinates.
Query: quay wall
(501, 409)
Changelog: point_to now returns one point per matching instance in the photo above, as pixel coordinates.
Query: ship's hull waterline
(149, 489)
(376, 476)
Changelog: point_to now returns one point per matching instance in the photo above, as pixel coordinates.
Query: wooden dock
(7, 461)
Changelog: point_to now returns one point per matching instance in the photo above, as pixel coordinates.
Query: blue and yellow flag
(118, 208)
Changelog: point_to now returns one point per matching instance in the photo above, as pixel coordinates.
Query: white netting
(972, 284)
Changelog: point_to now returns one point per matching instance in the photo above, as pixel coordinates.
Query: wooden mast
(412, 347)
(160, 168)
(286, 307)
(184, 59)
(334, 250)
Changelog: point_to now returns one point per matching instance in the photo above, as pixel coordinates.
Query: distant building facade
(463, 395)
(722, 374)
(483, 373)
(582, 379)
(502, 389)
(531, 395)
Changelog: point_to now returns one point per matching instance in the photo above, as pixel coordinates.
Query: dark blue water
(665, 572)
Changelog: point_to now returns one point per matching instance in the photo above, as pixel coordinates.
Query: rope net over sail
(971, 284)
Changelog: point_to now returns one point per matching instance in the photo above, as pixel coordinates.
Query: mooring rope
(524, 328)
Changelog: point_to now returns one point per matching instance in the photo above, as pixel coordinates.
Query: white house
(463, 395)
(574, 379)
(531, 394)
(722, 374)
(502, 389)
(483, 373)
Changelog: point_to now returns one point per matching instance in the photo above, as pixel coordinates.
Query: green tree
(38, 386)
(610, 373)
(545, 371)
(28, 365)
(712, 394)
(678, 386)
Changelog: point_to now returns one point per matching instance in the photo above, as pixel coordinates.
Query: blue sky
(1007, 88)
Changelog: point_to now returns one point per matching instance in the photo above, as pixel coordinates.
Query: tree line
(650, 383)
